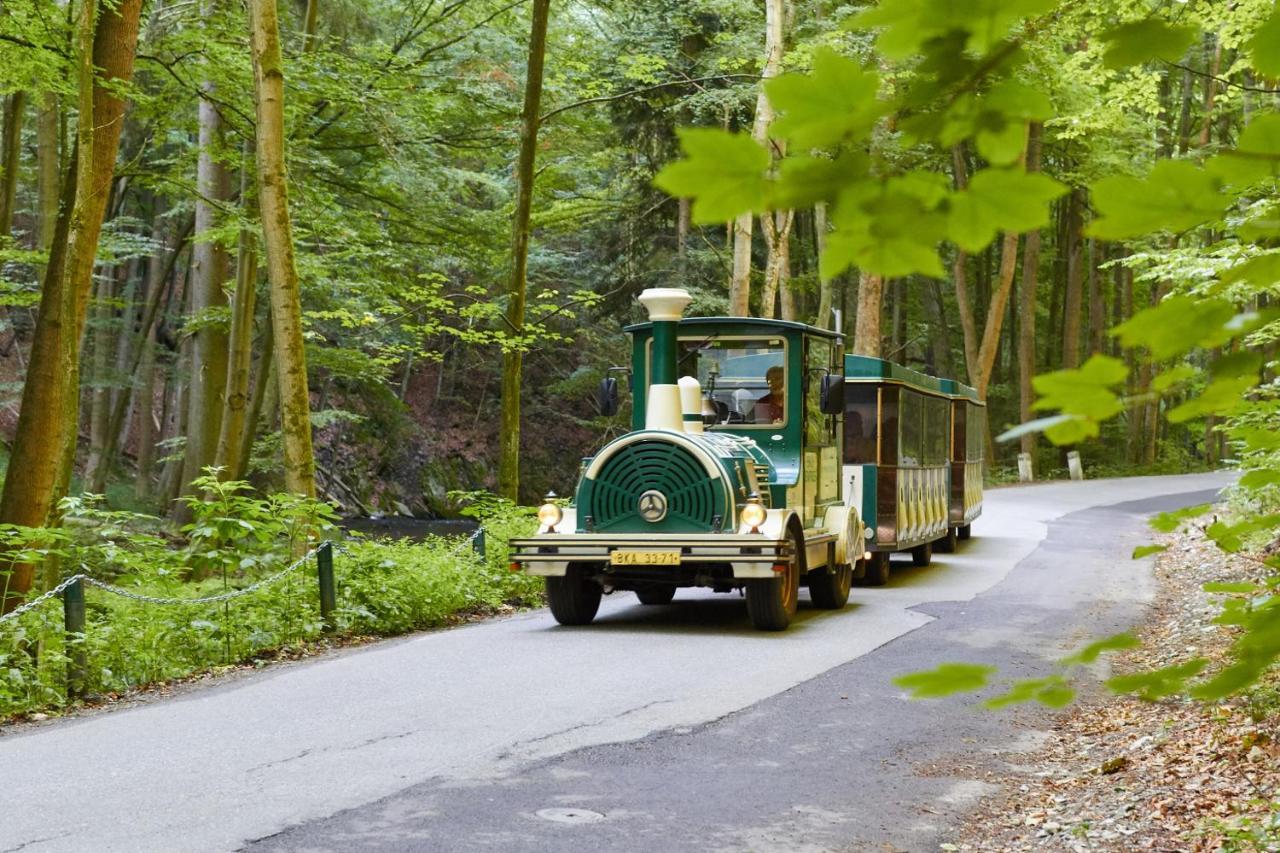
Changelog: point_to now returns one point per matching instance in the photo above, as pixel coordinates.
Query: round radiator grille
(690, 498)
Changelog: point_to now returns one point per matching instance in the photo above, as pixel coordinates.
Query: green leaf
(835, 101)
(908, 24)
(1242, 587)
(1176, 196)
(1083, 391)
(723, 172)
(1233, 375)
(1142, 41)
(1257, 155)
(1036, 425)
(1231, 537)
(890, 228)
(1175, 326)
(996, 200)
(1264, 47)
(1072, 431)
(1231, 680)
(1259, 479)
(1160, 682)
(1262, 271)
(1167, 522)
(1147, 550)
(1052, 691)
(803, 181)
(1173, 377)
(948, 678)
(1093, 651)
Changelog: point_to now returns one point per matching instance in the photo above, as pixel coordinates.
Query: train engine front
(671, 505)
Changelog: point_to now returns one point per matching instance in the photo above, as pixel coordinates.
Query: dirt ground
(1117, 773)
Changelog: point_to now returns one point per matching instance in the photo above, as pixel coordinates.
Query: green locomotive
(736, 475)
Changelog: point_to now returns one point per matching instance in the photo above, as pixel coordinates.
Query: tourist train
(761, 459)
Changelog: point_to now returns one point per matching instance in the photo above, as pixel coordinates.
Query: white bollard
(1025, 474)
(1074, 466)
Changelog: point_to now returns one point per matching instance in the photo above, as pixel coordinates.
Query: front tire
(829, 590)
(656, 594)
(922, 555)
(771, 603)
(877, 569)
(574, 598)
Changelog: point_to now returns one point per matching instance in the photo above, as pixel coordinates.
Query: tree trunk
(866, 335)
(286, 301)
(1214, 47)
(825, 318)
(10, 151)
(236, 395)
(264, 382)
(44, 442)
(512, 358)
(1097, 303)
(740, 284)
(960, 278)
(683, 206)
(47, 174)
(1071, 302)
(208, 276)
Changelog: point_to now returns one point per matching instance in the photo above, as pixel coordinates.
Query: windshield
(743, 379)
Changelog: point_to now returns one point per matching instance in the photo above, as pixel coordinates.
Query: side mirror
(607, 396)
(831, 394)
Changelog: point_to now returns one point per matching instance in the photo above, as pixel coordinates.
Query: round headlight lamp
(549, 514)
(753, 513)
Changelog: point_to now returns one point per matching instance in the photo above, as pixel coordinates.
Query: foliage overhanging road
(723, 737)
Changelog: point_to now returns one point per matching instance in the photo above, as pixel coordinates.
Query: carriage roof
(865, 368)
(753, 324)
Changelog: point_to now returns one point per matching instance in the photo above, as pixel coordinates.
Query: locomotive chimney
(665, 305)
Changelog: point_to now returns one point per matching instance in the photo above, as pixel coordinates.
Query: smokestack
(665, 306)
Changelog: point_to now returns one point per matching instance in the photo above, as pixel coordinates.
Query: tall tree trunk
(866, 335)
(960, 278)
(1213, 46)
(683, 207)
(940, 340)
(740, 284)
(144, 414)
(286, 300)
(44, 443)
(264, 386)
(47, 174)
(10, 151)
(236, 395)
(825, 318)
(1097, 303)
(208, 276)
(512, 358)
(1071, 302)
(1027, 308)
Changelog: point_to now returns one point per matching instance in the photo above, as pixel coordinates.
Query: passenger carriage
(913, 457)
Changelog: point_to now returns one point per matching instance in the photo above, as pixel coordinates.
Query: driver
(771, 408)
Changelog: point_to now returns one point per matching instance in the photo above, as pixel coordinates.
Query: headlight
(753, 512)
(549, 515)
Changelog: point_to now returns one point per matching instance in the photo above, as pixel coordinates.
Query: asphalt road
(655, 728)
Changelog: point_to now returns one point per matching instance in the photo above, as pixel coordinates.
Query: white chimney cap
(665, 303)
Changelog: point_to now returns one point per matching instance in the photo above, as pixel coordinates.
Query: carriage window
(976, 433)
(860, 424)
(936, 424)
(743, 380)
(958, 448)
(912, 442)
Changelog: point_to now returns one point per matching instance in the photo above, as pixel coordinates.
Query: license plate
(645, 558)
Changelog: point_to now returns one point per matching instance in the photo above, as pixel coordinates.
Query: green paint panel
(612, 499)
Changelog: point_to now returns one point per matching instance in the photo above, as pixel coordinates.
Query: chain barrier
(208, 599)
(36, 602)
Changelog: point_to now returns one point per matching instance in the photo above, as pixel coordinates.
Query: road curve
(519, 734)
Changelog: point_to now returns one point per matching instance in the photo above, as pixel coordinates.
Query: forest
(379, 254)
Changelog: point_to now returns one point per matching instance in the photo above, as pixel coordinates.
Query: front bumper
(747, 556)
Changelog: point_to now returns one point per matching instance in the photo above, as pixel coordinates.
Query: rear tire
(574, 598)
(922, 555)
(771, 603)
(656, 594)
(829, 590)
(877, 569)
(963, 532)
(947, 544)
